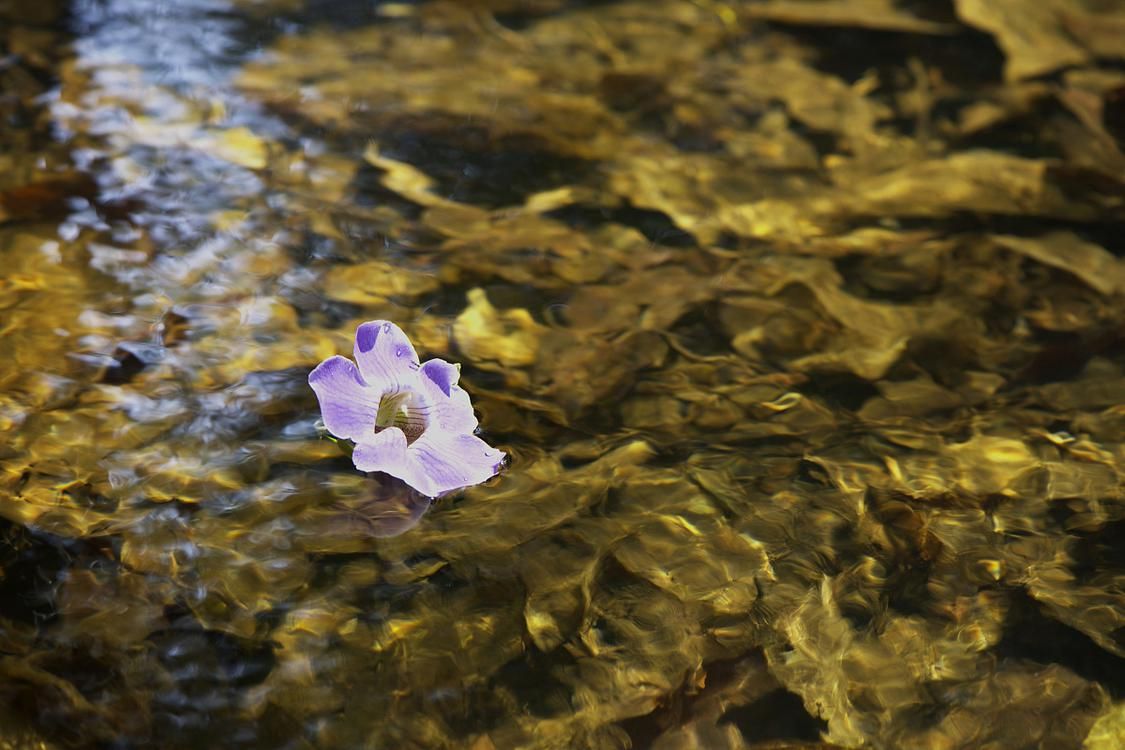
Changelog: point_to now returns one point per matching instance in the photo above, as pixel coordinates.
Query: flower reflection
(409, 420)
(389, 508)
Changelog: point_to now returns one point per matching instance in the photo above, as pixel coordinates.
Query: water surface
(800, 321)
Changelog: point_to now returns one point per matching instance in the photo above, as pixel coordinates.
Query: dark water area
(801, 322)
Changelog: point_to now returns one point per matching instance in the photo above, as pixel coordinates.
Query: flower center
(404, 410)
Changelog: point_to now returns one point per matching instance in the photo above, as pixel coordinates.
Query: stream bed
(801, 322)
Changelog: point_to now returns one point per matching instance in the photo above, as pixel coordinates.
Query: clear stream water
(801, 323)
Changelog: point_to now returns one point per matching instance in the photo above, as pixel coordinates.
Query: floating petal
(442, 374)
(383, 451)
(385, 355)
(440, 462)
(449, 404)
(347, 403)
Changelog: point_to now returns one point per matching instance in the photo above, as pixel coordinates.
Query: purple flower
(409, 420)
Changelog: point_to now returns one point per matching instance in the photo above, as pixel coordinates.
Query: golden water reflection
(801, 321)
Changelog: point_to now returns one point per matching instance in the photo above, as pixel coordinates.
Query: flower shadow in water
(389, 507)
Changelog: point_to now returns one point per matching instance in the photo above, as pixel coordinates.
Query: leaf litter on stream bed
(800, 321)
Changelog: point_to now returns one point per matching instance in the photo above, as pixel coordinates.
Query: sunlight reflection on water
(804, 341)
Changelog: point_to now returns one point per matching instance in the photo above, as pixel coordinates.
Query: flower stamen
(400, 410)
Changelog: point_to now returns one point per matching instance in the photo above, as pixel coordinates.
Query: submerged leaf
(509, 338)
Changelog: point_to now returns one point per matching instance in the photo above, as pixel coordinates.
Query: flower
(407, 419)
